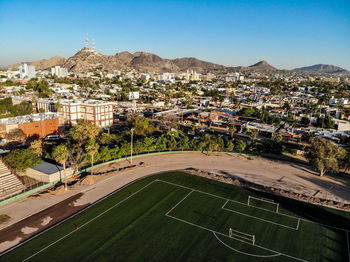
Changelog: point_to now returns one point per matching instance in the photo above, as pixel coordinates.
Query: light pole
(132, 138)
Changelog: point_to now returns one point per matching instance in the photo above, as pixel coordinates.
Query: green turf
(179, 217)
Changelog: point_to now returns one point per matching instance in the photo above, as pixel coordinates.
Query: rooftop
(28, 118)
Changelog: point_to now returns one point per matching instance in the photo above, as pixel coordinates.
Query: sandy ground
(284, 175)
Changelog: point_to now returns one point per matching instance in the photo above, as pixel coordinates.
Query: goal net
(241, 236)
(263, 203)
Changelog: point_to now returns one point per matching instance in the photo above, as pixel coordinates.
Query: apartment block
(26, 71)
(97, 112)
(59, 71)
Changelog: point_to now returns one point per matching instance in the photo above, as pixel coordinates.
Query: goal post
(263, 203)
(241, 236)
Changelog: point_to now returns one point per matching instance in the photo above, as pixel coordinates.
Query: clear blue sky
(286, 33)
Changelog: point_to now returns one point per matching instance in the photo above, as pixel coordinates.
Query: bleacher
(10, 184)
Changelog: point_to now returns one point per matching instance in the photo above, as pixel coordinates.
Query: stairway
(10, 184)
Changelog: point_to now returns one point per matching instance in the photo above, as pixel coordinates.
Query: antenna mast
(87, 40)
(93, 44)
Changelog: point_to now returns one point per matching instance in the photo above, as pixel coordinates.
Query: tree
(84, 131)
(21, 159)
(37, 147)
(241, 145)
(324, 155)
(91, 148)
(61, 154)
(232, 129)
(253, 133)
(230, 146)
(278, 137)
(15, 135)
(142, 126)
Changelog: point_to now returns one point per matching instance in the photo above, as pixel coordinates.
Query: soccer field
(175, 216)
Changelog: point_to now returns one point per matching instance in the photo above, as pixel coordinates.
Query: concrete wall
(42, 177)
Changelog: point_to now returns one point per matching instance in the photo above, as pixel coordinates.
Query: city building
(97, 112)
(192, 76)
(26, 71)
(34, 125)
(59, 71)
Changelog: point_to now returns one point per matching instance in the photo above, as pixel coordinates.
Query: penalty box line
(223, 207)
(277, 253)
(265, 220)
(89, 221)
(301, 219)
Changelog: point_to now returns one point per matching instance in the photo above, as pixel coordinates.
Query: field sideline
(177, 217)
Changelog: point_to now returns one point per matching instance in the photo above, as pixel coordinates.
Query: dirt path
(279, 174)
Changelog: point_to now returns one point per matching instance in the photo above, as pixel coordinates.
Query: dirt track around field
(38, 222)
(31, 215)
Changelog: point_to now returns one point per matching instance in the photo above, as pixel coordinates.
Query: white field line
(41, 209)
(86, 223)
(303, 219)
(242, 232)
(219, 233)
(241, 252)
(298, 224)
(249, 243)
(348, 242)
(243, 237)
(179, 202)
(238, 237)
(265, 220)
(189, 188)
(263, 200)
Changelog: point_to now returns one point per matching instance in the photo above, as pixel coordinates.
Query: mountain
(262, 66)
(322, 68)
(88, 60)
(42, 64)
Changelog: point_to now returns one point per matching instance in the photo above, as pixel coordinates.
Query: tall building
(59, 71)
(26, 71)
(97, 112)
(192, 76)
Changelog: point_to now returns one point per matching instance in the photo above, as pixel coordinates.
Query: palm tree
(61, 155)
(253, 133)
(232, 129)
(91, 148)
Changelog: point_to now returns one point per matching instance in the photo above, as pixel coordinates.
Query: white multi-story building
(97, 112)
(26, 71)
(59, 71)
(192, 76)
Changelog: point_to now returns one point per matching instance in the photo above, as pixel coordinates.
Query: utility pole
(132, 138)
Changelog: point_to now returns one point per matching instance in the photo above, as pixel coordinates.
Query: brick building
(39, 125)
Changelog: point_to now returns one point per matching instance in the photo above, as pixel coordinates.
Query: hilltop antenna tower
(87, 40)
(93, 44)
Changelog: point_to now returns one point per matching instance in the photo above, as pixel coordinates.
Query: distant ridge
(86, 60)
(42, 64)
(322, 68)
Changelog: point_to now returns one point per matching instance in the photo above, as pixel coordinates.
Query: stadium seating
(10, 184)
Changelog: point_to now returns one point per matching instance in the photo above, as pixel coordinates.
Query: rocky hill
(262, 66)
(322, 68)
(42, 64)
(87, 60)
